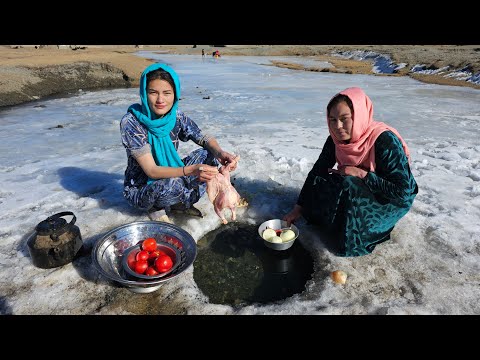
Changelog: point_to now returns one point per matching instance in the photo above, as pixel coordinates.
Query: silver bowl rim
(137, 284)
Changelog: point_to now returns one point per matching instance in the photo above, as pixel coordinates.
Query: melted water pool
(234, 267)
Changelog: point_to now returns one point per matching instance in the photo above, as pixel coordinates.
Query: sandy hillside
(28, 73)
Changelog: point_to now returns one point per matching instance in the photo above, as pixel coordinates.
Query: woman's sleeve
(134, 136)
(392, 178)
(189, 130)
(325, 160)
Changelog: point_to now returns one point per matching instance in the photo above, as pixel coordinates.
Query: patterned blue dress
(357, 214)
(163, 193)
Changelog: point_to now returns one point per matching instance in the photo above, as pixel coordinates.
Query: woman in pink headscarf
(359, 202)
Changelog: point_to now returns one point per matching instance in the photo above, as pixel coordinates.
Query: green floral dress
(357, 214)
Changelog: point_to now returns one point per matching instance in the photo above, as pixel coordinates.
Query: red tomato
(131, 260)
(149, 244)
(163, 263)
(156, 253)
(151, 271)
(141, 266)
(142, 255)
(131, 264)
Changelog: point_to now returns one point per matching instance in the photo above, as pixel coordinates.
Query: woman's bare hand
(349, 171)
(226, 158)
(205, 172)
(293, 215)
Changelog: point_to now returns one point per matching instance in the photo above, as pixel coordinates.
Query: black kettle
(55, 242)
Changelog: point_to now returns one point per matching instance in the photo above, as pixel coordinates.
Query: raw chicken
(222, 194)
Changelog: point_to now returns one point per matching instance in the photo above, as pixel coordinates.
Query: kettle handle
(64, 213)
(66, 226)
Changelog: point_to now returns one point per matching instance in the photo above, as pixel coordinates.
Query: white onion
(339, 276)
(276, 239)
(287, 235)
(268, 234)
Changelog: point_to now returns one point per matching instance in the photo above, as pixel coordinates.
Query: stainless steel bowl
(277, 224)
(108, 251)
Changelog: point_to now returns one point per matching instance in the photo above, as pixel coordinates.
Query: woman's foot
(159, 215)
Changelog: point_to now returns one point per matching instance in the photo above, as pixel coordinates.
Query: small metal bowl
(277, 224)
(129, 255)
(108, 251)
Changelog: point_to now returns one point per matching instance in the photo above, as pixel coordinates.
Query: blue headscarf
(163, 150)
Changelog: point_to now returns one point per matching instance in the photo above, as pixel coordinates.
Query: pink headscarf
(360, 151)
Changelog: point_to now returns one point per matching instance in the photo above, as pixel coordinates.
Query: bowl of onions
(277, 235)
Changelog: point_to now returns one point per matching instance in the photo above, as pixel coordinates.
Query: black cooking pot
(55, 242)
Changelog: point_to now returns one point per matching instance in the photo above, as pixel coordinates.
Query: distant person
(359, 202)
(156, 178)
(203, 53)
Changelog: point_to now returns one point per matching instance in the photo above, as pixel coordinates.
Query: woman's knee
(198, 156)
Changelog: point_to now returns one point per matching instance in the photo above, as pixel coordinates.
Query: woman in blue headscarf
(157, 179)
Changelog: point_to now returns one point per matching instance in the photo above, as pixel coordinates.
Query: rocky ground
(29, 73)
